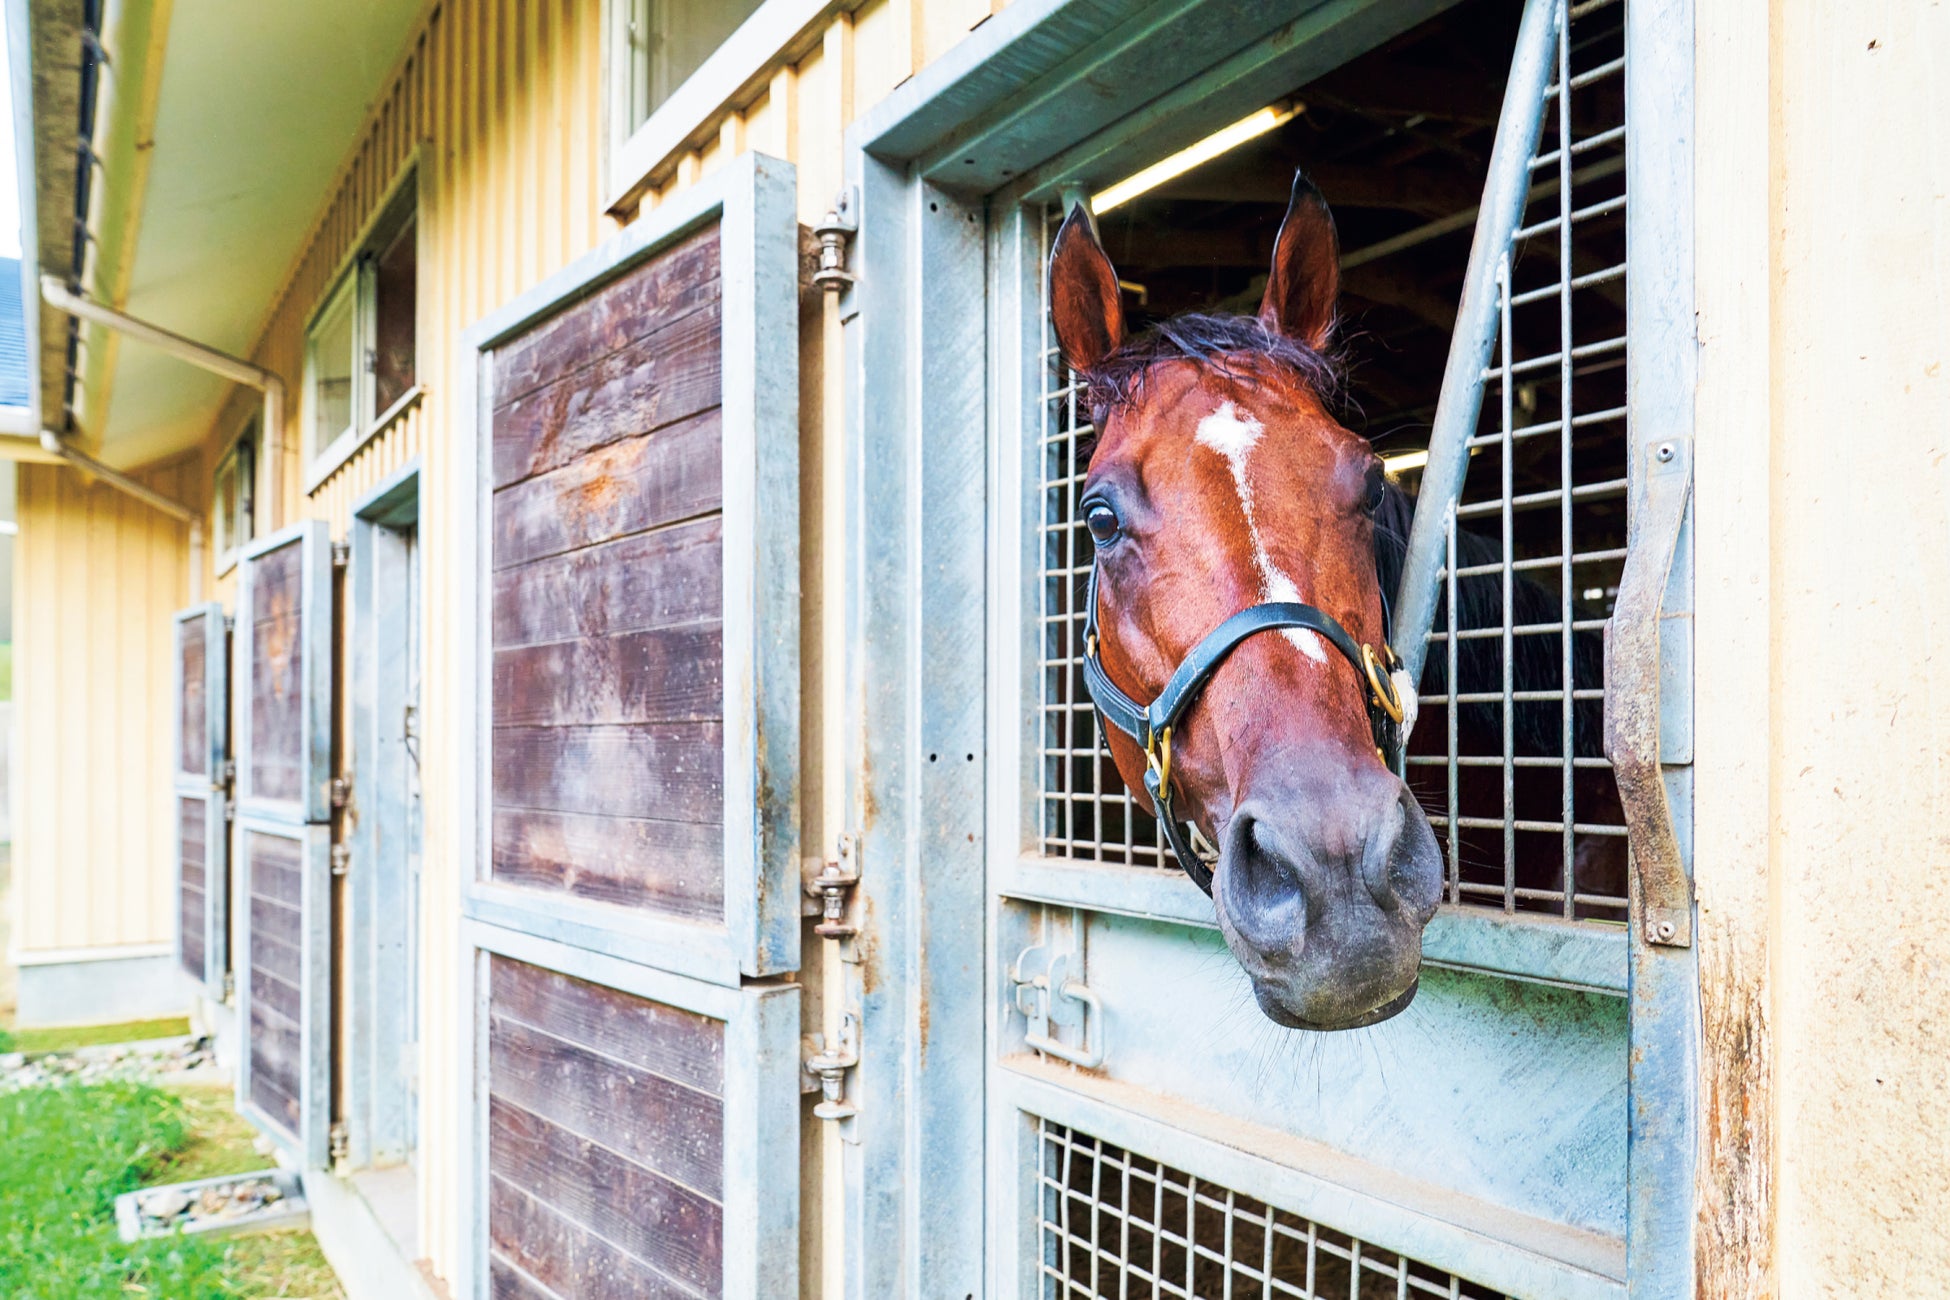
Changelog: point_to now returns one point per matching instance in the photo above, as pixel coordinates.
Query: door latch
(830, 1064)
(1052, 998)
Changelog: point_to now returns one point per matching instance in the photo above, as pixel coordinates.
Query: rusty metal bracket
(1661, 891)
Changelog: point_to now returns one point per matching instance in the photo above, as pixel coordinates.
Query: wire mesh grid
(1115, 1225)
(1087, 812)
(1511, 764)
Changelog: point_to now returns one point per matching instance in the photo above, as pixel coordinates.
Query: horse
(1235, 588)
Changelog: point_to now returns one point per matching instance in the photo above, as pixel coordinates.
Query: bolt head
(1666, 452)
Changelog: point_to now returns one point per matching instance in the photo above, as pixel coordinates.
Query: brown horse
(1219, 481)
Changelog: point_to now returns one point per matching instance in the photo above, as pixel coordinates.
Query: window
(360, 350)
(656, 45)
(233, 498)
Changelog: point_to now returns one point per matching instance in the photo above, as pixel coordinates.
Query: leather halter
(1150, 725)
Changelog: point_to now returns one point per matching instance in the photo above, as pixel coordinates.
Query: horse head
(1221, 481)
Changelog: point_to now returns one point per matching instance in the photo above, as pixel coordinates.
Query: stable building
(550, 616)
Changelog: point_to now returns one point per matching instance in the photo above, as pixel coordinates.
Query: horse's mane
(1231, 344)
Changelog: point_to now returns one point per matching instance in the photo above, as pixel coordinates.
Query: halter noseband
(1150, 726)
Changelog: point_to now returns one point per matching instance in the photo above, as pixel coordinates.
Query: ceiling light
(1221, 141)
(1404, 461)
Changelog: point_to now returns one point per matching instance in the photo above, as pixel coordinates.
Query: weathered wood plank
(278, 995)
(650, 383)
(677, 1044)
(277, 1104)
(662, 675)
(277, 706)
(671, 771)
(273, 874)
(274, 1048)
(193, 720)
(671, 576)
(647, 299)
(192, 828)
(626, 487)
(672, 867)
(674, 1227)
(506, 1282)
(566, 1257)
(665, 1127)
(192, 874)
(189, 916)
(275, 922)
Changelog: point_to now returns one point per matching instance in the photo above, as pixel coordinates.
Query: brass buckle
(1158, 755)
(1380, 684)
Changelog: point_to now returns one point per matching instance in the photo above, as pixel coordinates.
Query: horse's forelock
(1230, 345)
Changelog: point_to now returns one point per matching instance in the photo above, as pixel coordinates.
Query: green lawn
(69, 1151)
(65, 1037)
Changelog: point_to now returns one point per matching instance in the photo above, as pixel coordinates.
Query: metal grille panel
(1510, 769)
(1114, 1225)
(1511, 766)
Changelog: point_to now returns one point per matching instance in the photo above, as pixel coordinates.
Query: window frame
(638, 158)
(357, 275)
(233, 530)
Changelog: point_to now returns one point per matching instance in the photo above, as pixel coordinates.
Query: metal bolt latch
(834, 232)
(831, 886)
(829, 1065)
(341, 859)
(341, 791)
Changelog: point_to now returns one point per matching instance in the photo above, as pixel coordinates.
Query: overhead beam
(1425, 191)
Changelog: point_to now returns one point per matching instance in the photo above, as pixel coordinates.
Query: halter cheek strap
(1150, 725)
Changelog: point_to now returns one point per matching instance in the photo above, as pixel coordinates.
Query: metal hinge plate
(341, 554)
(833, 885)
(829, 1065)
(341, 859)
(341, 791)
(341, 1142)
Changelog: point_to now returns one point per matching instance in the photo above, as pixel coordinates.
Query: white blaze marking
(1234, 433)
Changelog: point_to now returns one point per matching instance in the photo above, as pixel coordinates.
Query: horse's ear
(1306, 277)
(1083, 302)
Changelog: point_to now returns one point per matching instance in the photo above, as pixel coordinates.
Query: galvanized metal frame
(761, 1102)
(961, 127)
(382, 962)
(310, 1145)
(315, 603)
(1664, 356)
(208, 786)
(753, 198)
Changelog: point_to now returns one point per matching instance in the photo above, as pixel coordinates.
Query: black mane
(1228, 343)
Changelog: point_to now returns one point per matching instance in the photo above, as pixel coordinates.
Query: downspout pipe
(52, 443)
(60, 297)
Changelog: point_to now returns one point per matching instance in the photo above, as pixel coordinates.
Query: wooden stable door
(632, 890)
(284, 637)
(200, 757)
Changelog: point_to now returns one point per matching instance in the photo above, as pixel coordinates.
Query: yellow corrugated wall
(97, 576)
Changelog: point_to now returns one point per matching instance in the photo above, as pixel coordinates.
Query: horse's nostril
(1378, 862)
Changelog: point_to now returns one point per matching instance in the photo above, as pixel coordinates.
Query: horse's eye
(1377, 490)
(1101, 520)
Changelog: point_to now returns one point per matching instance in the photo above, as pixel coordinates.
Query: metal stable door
(201, 761)
(627, 625)
(1525, 1121)
(285, 630)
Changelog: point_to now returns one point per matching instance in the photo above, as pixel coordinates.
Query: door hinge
(1050, 998)
(833, 885)
(829, 1065)
(341, 858)
(341, 791)
(341, 1142)
(835, 232)
(229, 987)
(341, 554)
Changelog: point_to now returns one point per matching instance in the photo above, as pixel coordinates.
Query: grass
(70, 1150)
(66, 1037)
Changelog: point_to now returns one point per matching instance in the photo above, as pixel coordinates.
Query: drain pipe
(60, 297)
(52, 443)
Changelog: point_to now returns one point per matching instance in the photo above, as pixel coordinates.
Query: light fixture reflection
(1221, 141)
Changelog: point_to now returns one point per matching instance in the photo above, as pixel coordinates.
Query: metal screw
(1665, 453)
(1664, 931)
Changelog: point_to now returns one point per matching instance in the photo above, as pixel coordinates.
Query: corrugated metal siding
(95, 822)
